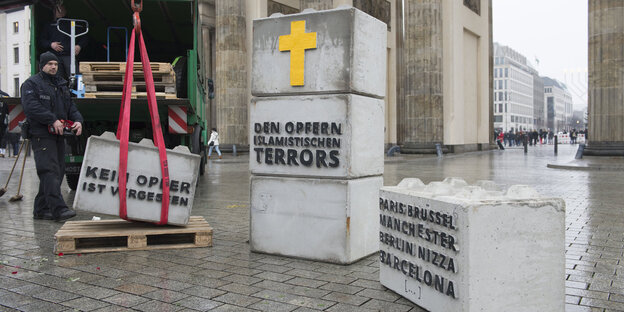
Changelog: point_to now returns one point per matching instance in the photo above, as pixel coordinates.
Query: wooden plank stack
(120, 235)
(105, 80)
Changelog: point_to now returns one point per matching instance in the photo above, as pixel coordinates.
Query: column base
(430, 148)
(228, 148)
(422, 148)
(604, 149)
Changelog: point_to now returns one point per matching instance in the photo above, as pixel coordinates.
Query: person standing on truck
(214, 142)
(58, 43)
(47, 105)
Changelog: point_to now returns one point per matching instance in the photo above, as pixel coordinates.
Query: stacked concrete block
(316, 143)
(450, 246)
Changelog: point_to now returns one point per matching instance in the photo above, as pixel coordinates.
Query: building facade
(539, 109)
(14, 49)
(559, 108)
(513, 91)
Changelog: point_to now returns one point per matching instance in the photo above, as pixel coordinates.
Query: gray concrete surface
(228, 277)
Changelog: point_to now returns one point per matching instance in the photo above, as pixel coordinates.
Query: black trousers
(50, 163)
(3, 140)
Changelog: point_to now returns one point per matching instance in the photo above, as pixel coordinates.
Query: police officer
(46, 101)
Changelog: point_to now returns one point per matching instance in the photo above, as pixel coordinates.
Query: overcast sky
(551, 31)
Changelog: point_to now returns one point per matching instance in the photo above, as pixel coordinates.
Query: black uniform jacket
(46, 99)
(50, 34)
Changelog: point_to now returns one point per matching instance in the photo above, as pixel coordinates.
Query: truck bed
(107, 109)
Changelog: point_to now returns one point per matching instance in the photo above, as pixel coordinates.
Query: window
(474, 5)
(506, 72)
(16, 55)
(16, 87)
(498, 118)
(500, 108)
(15, 27)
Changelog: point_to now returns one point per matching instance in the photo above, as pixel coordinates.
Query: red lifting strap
(123, 128)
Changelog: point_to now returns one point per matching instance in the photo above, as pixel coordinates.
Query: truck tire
(72, 180)
(181, 78)
(202, 164)
(197, 147)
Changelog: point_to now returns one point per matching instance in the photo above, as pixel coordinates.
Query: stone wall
(317, 4)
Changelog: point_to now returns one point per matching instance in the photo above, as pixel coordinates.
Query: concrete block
(98, 182)
(349, 54)
(450, 246)
(286, 135)
(318, 219)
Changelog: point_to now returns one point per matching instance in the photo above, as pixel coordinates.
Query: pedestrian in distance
(214, 143)
(4, 123)
(48, 107)
(499, 140)
(13, 140)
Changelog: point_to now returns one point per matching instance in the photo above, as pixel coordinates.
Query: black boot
(64, 214)
(43, 215)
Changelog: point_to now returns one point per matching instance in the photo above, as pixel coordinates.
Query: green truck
(170, 29)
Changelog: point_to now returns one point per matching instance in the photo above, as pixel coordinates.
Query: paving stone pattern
(228, 277)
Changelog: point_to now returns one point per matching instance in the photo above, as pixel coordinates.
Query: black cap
(45, 57)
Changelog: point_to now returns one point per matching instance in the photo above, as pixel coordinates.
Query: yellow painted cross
(297, 42)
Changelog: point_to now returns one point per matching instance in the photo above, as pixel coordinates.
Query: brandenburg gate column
(606, 78)
(420, 118)
(231, 87)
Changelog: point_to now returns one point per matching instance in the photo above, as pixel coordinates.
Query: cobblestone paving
(227, 277)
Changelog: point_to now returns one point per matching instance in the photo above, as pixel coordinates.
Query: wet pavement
(228, 277)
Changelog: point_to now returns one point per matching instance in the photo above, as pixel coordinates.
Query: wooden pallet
(135, 95)
(90, 78)
(121, 235)
(106, 86)
(120, 67)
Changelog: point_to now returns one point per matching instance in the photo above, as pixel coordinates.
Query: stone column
(419, 81)
(207, 20)
(231, 90)
(606, 78)
(491, 76)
